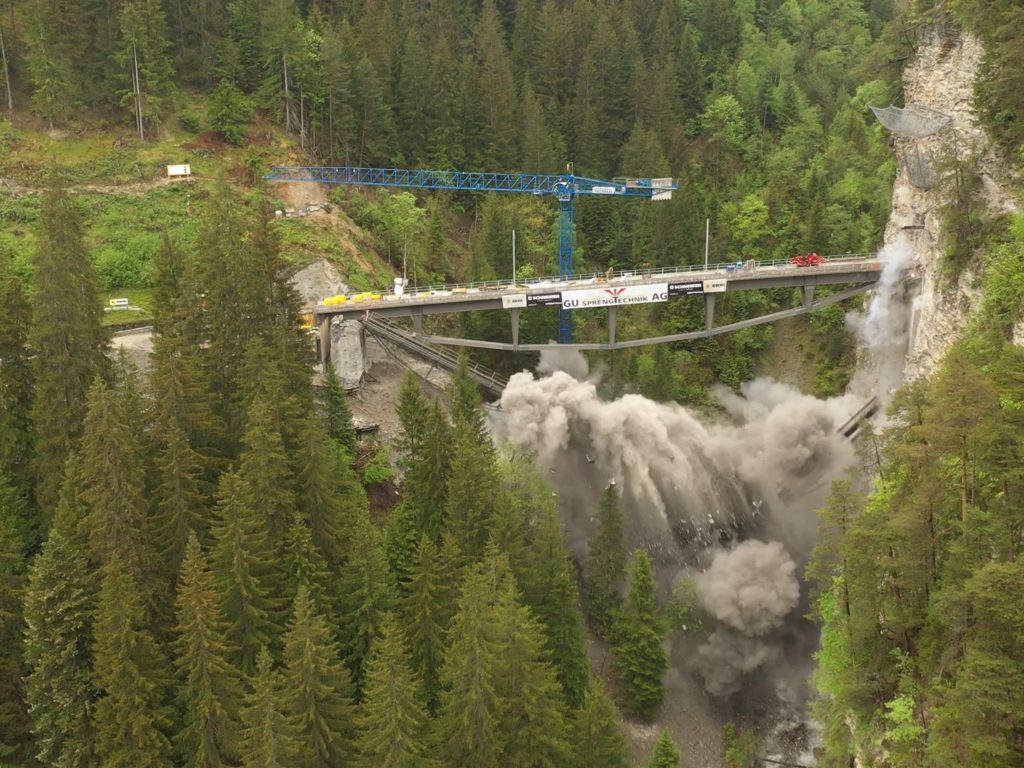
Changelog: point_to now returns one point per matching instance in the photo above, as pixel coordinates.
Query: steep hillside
(129, 204)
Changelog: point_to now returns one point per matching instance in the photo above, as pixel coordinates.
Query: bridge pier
(417, 323)
(514, 314)
(347, 339)
(808, 296)
(612, 313)
(709, 312)
(325, 339)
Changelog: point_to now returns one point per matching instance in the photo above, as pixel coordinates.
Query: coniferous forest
(192, 572)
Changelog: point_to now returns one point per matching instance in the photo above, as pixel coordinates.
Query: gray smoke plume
(684, 480)
(883, 327)
(727, 657)
(749, 590)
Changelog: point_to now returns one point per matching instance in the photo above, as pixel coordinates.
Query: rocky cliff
(940, 79)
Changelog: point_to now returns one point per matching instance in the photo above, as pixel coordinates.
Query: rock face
(941, 78)
(317, 281)
(348, 351)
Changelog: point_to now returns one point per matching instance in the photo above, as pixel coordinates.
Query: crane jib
(565, 188)
(476, 181)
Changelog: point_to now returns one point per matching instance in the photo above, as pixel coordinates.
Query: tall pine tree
(59, 605)
(606, 561)
(66, 338)
(318, 689)
(210, 688)
(132, 714)
(393, 723)
(639, 657)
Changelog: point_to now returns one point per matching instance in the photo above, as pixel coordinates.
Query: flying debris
(589, 460)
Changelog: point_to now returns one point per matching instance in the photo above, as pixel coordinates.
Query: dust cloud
(883, 328)
(728, 499)
(749, 590)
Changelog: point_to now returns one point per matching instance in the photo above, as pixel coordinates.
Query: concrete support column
(325, 339)
(348, 342)
(514, 314)
(808, 296)
(417, 324)
(709, 312)
(612, 312)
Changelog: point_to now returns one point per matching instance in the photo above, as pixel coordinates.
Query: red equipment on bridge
(808, 260)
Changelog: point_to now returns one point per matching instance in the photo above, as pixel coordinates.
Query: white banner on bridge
(715, 286)
(516, 300)
(613, 297)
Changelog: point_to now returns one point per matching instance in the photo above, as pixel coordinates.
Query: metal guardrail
(840, 261)
(490, 380)
(731, 270)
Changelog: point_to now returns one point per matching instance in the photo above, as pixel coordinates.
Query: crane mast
(564, 187)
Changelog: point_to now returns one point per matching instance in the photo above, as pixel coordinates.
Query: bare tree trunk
(180, 13)
(330, 127)
(964, 483)
(287, 94)
(302, 119)
(7, 76)
(136, 84)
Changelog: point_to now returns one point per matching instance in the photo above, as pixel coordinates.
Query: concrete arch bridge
(613, 291)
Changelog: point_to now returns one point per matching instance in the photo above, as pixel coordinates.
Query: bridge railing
(836, 263)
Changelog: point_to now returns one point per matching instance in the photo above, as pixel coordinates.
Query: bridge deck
(468, 297)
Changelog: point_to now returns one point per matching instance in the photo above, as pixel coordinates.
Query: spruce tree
(366, 594)
(401, 537)
(596, 734)
(59, 604)
(466, 411)
(336, 410)
(501, 704)
(426, 481)
(113, 488)
(241, 559)
(666, 755)
(53, 77)
(469, 720)
(324, 478)
(132, 716)
(317, 689)
(268, 735)
(412, 414)
(15, 728)
(264, 472)
(179, 503)
(427, 607)
(606, 562)
(178, 382)
(638, 655)
(532, 716)
(66, 339)
(552, 596)
(143, 53)
(473, 488)
(209, 688)
(15, 381)
(306, 565)
(393, 723)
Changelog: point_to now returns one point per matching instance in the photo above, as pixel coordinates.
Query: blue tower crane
(564, 187)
